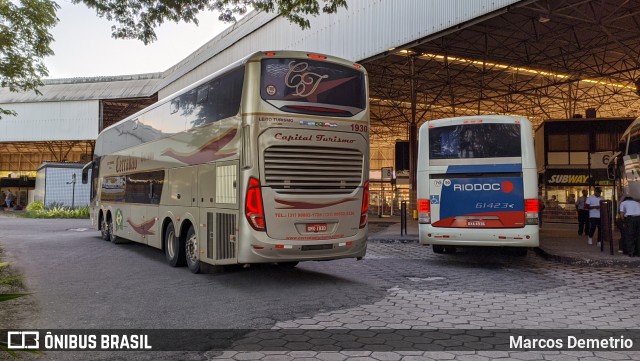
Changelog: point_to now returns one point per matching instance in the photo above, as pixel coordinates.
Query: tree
(25, 38)
(24, 42)
(137, 19)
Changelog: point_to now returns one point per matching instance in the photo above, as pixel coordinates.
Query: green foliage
(35, 206)
(24, 41)
(57, 212)
(8, 280)
(137, 19)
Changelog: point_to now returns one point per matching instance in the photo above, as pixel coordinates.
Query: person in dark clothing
(630, 212)
(583, 213)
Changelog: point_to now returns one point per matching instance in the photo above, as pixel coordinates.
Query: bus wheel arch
(191, 246)
(173, 245)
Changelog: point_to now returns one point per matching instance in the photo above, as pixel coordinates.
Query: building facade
(572, 155)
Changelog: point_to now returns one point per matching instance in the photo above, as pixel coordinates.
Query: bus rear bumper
(527, 236)
(267, 251)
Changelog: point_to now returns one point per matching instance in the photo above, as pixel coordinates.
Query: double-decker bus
(624, 167)
(477, 183)
(265, 161)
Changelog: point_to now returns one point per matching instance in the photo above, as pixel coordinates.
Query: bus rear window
(481, 140)
(312, 87)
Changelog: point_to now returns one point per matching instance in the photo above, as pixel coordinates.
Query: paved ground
(325, 311)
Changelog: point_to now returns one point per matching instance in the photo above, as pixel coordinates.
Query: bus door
(218, 190)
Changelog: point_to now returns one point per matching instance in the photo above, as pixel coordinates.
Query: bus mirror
(85, 172)
(612, 166)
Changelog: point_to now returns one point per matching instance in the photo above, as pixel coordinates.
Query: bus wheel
(288, 264)
(111, 234)
(192, 250)
(104, 229)
(173, 248)
(438, 248)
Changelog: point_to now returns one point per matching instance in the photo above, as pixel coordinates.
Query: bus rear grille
(312, 170)
(223, 233)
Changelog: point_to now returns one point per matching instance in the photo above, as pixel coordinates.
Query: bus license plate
(316, 227)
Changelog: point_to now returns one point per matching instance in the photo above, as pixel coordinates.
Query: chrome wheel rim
(171, 243)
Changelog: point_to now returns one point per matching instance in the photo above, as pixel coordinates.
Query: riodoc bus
(265, 161)
(477, 183)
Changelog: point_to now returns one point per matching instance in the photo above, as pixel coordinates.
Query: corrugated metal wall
(45, 121)
(367, 28)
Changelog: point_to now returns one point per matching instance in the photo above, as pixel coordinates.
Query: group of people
(588, 208)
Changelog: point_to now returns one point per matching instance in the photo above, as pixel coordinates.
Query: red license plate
(316, 227)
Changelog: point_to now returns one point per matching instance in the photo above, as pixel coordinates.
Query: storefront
(562, 187)
(572, 155)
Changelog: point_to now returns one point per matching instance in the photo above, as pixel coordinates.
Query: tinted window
(313, 87)
(145, 188)
(484, 140)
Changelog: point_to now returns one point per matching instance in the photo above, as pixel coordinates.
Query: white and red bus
(477, 183)
(265, 161)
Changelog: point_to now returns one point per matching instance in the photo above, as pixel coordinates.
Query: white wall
(45, 121)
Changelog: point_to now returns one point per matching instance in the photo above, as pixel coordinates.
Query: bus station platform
(559, 242)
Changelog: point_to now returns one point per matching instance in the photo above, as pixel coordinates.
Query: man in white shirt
(593, 205)
(630, 212)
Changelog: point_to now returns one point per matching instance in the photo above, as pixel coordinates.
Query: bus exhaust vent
(223, 234)
(312, 170)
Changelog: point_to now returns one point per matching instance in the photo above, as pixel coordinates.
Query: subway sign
(575, 177)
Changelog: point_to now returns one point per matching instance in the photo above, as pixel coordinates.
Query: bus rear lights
(270, 53)
(364, 208)
(316, 56)
(256, 247)
(357, 66)
(254, 211)
(284, 246)
(343, 244)
(442, 236)
(531, 207)
(424, 211)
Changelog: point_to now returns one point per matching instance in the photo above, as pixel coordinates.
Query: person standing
(8, 199)
(541, 208)
(593, 205)
(630, 213)
(583, 213)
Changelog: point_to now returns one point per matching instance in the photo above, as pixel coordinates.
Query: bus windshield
(312, 87)
(480, 140)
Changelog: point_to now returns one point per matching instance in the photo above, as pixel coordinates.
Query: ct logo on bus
(119, 219)
(271, 90)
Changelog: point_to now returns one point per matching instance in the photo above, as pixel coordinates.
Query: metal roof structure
(539, 59)
(90, 88)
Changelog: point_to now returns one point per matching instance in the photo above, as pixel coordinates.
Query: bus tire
(112, 237)
(173, 247)
(192, 251)
(104, 229)
(292, 264)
